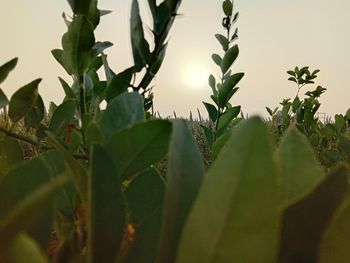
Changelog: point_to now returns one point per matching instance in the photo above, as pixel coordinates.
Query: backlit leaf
(23, 100)
(236, 211)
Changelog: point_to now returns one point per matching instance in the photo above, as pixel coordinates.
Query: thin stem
(81, 97)
(22, 138)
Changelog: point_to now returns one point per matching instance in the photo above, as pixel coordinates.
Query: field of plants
(80, 183)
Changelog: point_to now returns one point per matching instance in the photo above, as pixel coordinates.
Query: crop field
(120, 184)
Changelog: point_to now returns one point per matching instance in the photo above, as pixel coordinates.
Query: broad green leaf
(159, 60)
(135, 149)
(74, 168)
(227, 117)
(235, 217)
(228, 88)
(61, 58)
(67, 89)
(339, 122)
(27, 212)
(77, 44)
(119, 84)
(3, 99)
(140, 47)
(301, 172)
(335, 242)
(25, 249)
(227, 7)
(122, 112)
(93, 134)
(212, 111)
(344, 143)
(209, 135)
(64, 198)
(184, 177)
(220, 144)
(229, 58)
(10, 154)
(23, 100)
(99, 47)
(217, 59)
(6, 68)
(87, 8)
(212, 83)
(36, 114)
(305, 222)
(223, 41)
(62, 115)
(145, 201)
(106, 208)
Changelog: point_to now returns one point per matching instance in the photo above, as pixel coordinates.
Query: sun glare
(196, 76)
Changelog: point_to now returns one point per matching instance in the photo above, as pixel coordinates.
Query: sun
(196, 76)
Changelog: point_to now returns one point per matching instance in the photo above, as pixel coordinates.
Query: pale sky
(274, 36)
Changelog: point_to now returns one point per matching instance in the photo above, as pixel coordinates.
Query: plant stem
(25, 139)
(81, 97)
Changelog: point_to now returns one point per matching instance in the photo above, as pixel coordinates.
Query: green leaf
(335, 242)
(227, 7)
(27, 193)
(227, 117)
(305, 222)
(292, 73)
(226, 90)
(269, 111)
(136, 148)
(74, 169)
(99, 47)
(212, 111)
(129, 109)
(220, 143)
(10, 154)
(67, 90)
(6, 68)
(229, 58)
(106, 208)
(119, 84)
(25, 249)
(184, 178)
(36, 114)
(61, 58)
(93, 134)
(301, 172)
(62, 115)
(145, 200)
(339, 122)
(223, 41)
(208, 134)
(23, 100)
(64, 198)
(158, 62)
(3, 99)
(236, 211)
(87, 8)
(140, 47)
(212, 83)
(217, 59)
(77, 44)
(344, 143)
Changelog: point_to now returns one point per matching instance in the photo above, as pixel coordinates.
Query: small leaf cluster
(222, 113)
(328, 139)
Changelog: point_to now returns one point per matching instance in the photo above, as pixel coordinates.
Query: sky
(274, 36)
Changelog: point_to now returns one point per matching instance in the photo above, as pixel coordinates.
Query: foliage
(222, 113)
(92, 190)
(330, 140)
